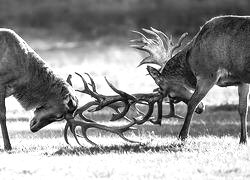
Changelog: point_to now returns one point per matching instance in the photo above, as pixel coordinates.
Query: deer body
(222, 49)
(25, 75)
(218, 54)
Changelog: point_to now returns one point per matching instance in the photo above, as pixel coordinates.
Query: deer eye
(172, 95)
(39, 108)
(59, 117)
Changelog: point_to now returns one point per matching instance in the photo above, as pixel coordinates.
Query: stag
(217, 55)
(115, 102)
(27, 77)
(161, 48)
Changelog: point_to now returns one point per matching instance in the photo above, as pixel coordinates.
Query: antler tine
(129, 99)
(144, 38)
(164, 37)
(92, 84)
(160, 33)
(116, 106)
(72, 129)
(141, 44)
(84, 108)
(83, 80)
(140, 47)
(137, 109)
(121, 114)
(86, 125)
(69, 79)
(65, 132)
(122, 93)
(159, 114)
(159, 40)
(183, 36)
(155, 47)
(149, 60)
(88, 91)
(148, 114)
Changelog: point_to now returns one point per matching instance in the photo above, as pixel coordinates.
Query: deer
(219, 54)
(160, 48)
(26, 76)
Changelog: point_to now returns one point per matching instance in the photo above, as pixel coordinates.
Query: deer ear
(154, 73)
(71, 103)
(69, 79)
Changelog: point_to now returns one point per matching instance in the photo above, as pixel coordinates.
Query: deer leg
(6, 140)
(172, 111)
(203, 86)
(243, 91)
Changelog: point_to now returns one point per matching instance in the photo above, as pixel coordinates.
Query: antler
(160, 49)
(155, 48)
(102, 101)
(122, 100)
(72, 124)
(115, 102)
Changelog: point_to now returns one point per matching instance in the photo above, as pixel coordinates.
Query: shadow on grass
(127, 148)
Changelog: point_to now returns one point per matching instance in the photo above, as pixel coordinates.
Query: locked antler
(161, 48)
(115, 102)
(72, 124)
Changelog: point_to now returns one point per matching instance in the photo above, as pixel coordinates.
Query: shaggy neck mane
(42, 85)
(178, 67)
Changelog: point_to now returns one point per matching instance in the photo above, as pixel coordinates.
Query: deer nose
(69, 116)
(33, 122)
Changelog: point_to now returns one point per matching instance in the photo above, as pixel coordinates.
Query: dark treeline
(100, 17)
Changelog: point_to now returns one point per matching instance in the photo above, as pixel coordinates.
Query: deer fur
(28, 78)
(219, 54)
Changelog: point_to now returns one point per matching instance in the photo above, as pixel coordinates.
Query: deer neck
(178, 69)
(41, 85)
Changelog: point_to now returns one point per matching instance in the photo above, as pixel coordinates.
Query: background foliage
(99, 17)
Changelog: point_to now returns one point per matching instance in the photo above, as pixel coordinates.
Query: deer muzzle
(37, 124)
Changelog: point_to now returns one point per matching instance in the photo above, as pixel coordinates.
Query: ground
(211, 152)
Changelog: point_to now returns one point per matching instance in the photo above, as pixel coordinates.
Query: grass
(211, 152)
(166, 158)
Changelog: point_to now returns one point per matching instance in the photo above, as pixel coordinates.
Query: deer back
(222, 48)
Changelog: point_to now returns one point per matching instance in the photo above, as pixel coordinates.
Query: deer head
(161, 49)
(173, 88)
(57, 108)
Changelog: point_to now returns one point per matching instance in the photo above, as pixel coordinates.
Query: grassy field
(92, 36)
(212, 151)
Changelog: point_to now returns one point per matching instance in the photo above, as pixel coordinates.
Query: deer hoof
(7, 147)
(243, 141)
